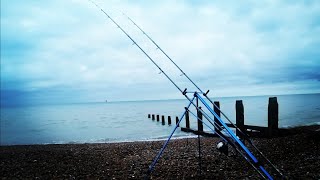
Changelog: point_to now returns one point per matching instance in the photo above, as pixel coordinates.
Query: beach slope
(297, 156)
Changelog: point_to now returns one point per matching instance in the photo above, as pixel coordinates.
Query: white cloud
(219, 44)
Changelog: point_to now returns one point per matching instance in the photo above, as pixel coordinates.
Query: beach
(296, 155)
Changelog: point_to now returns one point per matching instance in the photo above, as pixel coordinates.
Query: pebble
(131, 160)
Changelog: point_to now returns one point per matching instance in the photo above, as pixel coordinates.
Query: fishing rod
(205, 94)
(233, 144)
(229, 141)
(243, 151)
(183, 73)
(267, 175)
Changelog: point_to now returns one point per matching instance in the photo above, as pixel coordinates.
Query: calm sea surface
(127, 121)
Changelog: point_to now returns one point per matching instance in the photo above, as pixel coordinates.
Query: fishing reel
(223, 147)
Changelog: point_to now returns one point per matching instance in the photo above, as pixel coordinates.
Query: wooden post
(239, 118)
(217, 111)
(169, 120)
(177, 120)
(157, 117)
(273, 116)
(162, 120)
(200, 125)
(149, 116)
(152, 116)
(187, 120)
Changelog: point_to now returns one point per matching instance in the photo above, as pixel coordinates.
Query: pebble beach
(296, 155)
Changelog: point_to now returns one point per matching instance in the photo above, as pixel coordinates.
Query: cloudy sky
(69, 51)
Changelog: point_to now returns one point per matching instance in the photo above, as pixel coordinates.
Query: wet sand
(296, 155)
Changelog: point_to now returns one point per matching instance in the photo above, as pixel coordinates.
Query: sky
(69, 51)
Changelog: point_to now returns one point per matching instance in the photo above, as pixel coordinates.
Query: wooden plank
(216, 108)
(240, 118)
(177, 120)
(187, 119)
(273, 116)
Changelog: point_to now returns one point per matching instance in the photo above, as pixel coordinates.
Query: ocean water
(128, 121)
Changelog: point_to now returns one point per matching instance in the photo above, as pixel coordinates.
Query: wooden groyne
(271, 130)
(163, 119)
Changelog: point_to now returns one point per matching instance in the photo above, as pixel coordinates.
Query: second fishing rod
(205, 94)
(183, 92)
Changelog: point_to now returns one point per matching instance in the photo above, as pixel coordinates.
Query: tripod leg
(166, 143)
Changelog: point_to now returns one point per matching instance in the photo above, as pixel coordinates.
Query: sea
(107, 122)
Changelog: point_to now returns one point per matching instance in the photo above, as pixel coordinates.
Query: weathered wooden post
(157, 117)
(177, 120)
(216, 108)
(169, 120)
(239, 118)
(162, 120)
(200, 125)
(273, 116)
(149, 116)
(187, 120)
(152, 116)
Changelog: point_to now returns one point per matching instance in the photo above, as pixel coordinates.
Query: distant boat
(106, 101)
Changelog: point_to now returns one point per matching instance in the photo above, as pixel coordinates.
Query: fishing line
(134, 42)
(205, 94)
(255, 161)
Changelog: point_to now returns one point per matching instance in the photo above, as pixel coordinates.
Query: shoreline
(105, 142)
(290, 130)
(296, 155)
